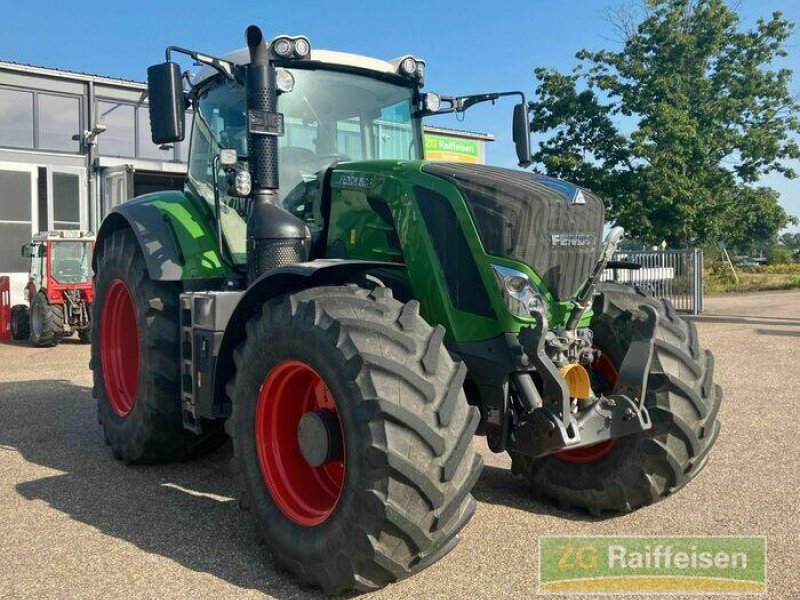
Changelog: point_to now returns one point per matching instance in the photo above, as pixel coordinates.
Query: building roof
(10, 65)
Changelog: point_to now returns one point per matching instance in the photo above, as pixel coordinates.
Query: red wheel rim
(119, 348)
(608, 371)
(307, 495)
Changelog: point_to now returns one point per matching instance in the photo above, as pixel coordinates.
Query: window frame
(37, 119)
(139, 108)
(82, 204)
(35, 124)
(33, 171)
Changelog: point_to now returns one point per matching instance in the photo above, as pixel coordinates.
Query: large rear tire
(396, 497)
(136, 359)
(47, 321)
(683, 402)
(20, 322)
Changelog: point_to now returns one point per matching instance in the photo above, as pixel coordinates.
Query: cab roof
(331, 57)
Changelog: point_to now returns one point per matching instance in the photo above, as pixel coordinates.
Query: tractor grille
(548, 224)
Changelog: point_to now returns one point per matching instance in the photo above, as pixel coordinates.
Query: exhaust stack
(274, 237)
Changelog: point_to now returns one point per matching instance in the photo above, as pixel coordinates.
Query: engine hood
(553, 226)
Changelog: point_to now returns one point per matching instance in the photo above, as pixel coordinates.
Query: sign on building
(453, 149)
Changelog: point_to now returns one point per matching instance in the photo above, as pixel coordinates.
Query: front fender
(274, 283)
(177, 237)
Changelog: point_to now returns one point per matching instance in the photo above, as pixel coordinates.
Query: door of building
(117, 187)
(19, 217)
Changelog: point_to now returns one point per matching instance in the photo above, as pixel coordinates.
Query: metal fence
(673, 274)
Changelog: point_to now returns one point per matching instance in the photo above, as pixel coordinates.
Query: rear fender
(274, 283)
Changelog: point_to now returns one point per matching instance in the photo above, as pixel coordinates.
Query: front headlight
(521, 295)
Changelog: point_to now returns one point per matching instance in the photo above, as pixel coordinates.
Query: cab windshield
(329, 117)
(70, 262)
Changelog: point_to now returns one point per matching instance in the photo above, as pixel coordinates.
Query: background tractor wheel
(20, 322)
(683, 402)
(47, 321)
(135, 358)
(352, 436)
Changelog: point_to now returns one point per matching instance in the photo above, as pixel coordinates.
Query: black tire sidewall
(314, 349)
(129, 434)
(49, 335)
(20, 322)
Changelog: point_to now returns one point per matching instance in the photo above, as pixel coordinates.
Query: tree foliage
(675, 127)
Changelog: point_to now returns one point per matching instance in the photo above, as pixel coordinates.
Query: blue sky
(469, 46)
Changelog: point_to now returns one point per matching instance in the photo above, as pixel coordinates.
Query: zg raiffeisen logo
(655, 565)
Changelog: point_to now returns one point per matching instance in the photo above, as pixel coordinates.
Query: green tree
(676, 127)
(791, 240)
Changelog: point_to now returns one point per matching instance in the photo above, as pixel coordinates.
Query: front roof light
(282, 47)
(302, 47)
(408, 66)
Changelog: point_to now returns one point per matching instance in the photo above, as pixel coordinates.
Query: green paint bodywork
(193, 224)
(356, 231)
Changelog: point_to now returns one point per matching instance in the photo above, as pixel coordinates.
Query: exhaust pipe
(274, 237)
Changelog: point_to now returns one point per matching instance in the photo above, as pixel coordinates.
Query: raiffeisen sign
(455, 146)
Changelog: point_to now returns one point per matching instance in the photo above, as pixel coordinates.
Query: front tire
(135, 359)
(683, 402)
(396, 497)
(20, 322)
(47, 321)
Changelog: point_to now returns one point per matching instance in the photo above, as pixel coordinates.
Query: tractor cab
(59, 259)
(59, 289)
(336, 108)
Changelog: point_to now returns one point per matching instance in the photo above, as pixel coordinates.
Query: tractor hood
(553, 226)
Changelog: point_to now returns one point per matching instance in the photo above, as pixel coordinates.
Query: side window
(394, 132)
(348, 139)
(219, 122)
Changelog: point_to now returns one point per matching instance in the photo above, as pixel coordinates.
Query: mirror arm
(223, 66)
(462, 103)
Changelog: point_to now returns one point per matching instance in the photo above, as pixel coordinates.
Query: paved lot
(75, 523)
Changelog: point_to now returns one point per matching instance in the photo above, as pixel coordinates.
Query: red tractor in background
(59, 289)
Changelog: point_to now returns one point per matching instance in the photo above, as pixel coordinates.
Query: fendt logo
(572, 239)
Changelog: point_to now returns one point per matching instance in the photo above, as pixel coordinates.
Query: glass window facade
(12, 238)
(147, 149)
(15, 199)
(59, 120)
(16, 118)
(66, 201)
(15, 219)
(119, 138)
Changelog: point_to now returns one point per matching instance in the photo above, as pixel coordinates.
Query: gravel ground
(76, 523)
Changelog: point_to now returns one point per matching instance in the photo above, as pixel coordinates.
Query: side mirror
(167, 103)
(522, 133)
(25, 251)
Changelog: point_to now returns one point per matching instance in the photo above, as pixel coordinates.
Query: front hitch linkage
(548, 424)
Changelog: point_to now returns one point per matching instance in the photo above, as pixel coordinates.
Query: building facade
(74, 145)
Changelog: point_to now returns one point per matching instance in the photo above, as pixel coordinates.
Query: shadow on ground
(745, 320)
(502, 487)
(184, 512)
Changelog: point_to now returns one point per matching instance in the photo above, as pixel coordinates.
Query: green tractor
(351, 315)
